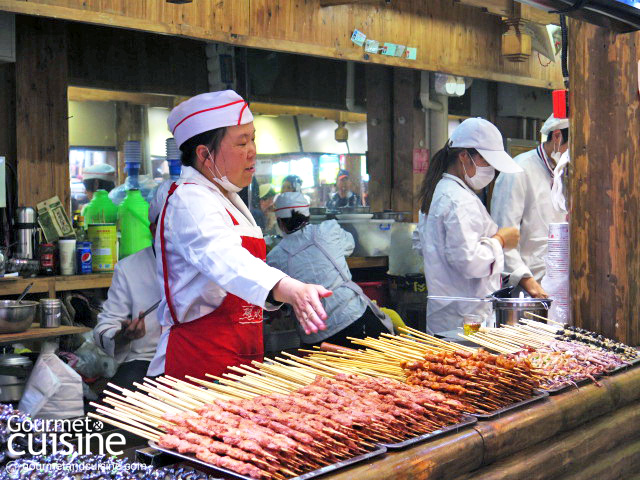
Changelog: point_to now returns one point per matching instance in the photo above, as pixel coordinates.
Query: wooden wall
(41, 111)
(605, 182)
(450, 37)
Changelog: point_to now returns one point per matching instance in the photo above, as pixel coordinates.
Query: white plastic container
(372, 237)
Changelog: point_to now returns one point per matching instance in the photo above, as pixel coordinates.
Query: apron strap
(165, 264)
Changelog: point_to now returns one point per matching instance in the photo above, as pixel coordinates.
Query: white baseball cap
(207, 111)
(157, 202)
(483, 136)
(552, 124)
(100, 171)
(287, 202)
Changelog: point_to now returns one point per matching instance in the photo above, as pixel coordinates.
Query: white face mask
(557, 196)
(482, 178)
(223, 181)
(556, 155)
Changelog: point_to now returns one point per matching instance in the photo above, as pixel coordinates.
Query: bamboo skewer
(141, 433)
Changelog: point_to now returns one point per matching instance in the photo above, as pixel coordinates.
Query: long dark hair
(211, 139)
(438, 165)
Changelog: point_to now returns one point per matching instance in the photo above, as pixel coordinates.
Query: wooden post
(408, 137)
(379, 82)
(42, 131)
(604, 181)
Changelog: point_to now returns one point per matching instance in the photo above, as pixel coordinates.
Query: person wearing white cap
(526, 200)
(461, 245)
(122, 331)
(211, 258)
(100, 176)
(316, 254)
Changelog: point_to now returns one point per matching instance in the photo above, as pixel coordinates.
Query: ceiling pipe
(425, 99)
(350, 100)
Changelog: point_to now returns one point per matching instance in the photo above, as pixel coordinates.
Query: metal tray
(380, 450)
(466, 421)
(568, 386)
(497, 413)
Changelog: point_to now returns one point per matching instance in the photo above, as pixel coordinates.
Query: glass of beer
(472, 323)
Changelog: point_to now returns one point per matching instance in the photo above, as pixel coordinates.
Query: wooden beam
(130, 125)
(333, 3)
(42, 131)
(605, 231)
(85, 94)
(379, 84)
(327, 113)
(503, 8)
(308, 29)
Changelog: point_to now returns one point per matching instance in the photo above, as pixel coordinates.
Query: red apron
(230, 335)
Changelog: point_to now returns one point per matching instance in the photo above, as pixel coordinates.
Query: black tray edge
(515, 406)
(380, 450)
(467, 420)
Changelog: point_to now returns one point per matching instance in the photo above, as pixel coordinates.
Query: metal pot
(14, 372)
(17, 317)
(510, 310)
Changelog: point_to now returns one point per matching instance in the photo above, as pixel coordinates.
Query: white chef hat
(157, 203)
(100, 171)
(553, 124)
(287, 202)
(207, 111)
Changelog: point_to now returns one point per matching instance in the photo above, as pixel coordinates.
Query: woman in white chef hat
(211, 252)
(461, 245)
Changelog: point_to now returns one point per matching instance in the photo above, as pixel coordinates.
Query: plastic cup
(67, 247)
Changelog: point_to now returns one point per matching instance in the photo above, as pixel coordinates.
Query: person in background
(101, 176)
(461, 245)
(317, 254)
(524, 200)
(264, 215)
(121, 331)
(291, 183)
(343, 197)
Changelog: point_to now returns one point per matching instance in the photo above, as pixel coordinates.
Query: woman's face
(471, 162)
(236, 157)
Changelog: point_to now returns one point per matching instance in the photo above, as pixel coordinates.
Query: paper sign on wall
(388, 49)
(358, 37)
(411, 53)
(420, 160)
(372, 46)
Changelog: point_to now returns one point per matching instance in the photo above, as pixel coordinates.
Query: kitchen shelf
(36, 333)
(52, 285)
(367, 262)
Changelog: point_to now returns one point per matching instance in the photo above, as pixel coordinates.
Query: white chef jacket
(524, 200)
(134, 289)
(310, 265)
(460, 258)
(205, 256)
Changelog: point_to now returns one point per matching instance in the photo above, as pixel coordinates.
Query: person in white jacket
(461, 245)
(317, 254)
(525, 200)
(211, 253)
(122, 332)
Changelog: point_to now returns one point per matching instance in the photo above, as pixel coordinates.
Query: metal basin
(16, 317)
(509, 310)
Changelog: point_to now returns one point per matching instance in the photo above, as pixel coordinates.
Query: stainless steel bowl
(17, 317)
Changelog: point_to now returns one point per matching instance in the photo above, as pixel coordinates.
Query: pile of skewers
(480, 381)
(486, 382)
(558, 362)
(298, 427)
